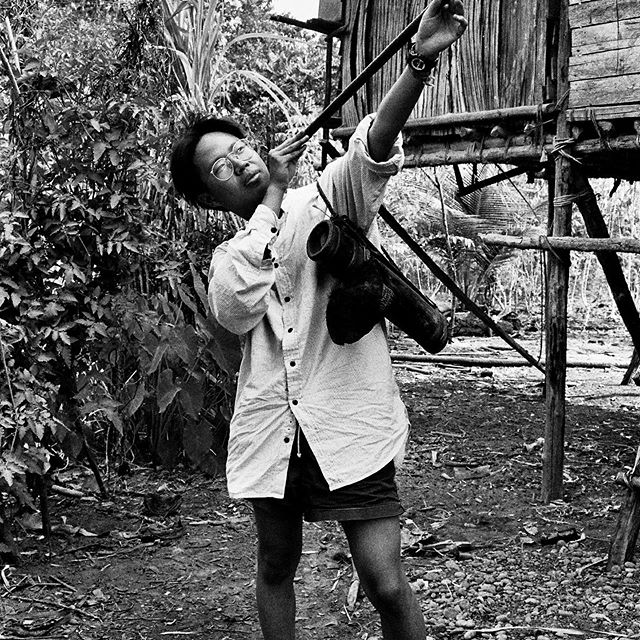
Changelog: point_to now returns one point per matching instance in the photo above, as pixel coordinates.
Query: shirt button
(287, 440)
(273, 229)
(294, 402)
(292, 363)
(287, 299)
(290, 330)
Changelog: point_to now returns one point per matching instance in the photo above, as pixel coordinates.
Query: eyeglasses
(222, 169)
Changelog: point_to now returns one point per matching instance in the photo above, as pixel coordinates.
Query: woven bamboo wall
(498, 63)
(604, 69)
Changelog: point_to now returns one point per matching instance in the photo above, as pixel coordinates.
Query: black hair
(184, 173)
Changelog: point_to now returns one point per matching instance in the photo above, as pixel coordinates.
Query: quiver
(370, 287)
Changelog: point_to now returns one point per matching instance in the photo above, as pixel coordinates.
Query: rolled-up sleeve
(241, 274)
(355, 182)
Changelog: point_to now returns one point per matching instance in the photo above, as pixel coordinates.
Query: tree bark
(557, 286)
(624, 541)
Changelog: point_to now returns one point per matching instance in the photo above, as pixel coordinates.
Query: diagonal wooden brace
(448, 282)
(624, 541)
(597, 228)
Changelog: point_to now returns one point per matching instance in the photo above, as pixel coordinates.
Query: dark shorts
(307, 493)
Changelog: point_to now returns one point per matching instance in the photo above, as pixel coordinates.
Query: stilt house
(551, 87)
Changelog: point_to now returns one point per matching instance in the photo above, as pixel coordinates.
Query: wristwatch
(421, 67)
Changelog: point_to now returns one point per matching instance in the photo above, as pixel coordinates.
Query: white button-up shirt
(344, 398)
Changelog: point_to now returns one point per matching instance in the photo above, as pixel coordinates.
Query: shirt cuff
(263, 225)
(359, 139)
(263, 219)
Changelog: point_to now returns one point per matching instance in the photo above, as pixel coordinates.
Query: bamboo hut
(499, 91)
(551, 87)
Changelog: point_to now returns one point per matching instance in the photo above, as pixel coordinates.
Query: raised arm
(442, 24)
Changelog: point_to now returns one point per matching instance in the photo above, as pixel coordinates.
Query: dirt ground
(486, 557)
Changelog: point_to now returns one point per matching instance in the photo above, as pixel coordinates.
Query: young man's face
(241, 185)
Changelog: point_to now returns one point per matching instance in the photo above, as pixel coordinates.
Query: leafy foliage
(252, 67)
(106, 334)
(26, 420)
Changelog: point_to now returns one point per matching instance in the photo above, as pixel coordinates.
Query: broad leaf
(166, 390)
(192, 397)
(196, 440)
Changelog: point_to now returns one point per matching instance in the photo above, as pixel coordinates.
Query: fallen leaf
(471, 474)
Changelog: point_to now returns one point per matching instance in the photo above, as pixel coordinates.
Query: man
(316, 426)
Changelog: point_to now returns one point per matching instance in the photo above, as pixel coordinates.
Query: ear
(207, 201)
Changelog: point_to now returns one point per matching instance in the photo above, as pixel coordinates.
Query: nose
(238, 165)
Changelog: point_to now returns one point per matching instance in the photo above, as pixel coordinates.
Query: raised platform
(524, 136)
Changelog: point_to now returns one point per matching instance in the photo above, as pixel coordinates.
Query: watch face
(418, 64)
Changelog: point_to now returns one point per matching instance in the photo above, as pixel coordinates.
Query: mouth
(252, 179)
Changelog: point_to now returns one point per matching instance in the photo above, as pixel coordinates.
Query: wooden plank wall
(604, 68)
(499, 63)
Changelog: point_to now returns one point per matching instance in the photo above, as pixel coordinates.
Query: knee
(276, 568)
(388, 593)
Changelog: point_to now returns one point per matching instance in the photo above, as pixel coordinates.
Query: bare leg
(375, 547)
(279, 550)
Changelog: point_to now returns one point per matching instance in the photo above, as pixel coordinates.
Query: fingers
(300, 135)
(456, 6)
(456, 11)
(443, 23)
(290, 150)
(297, 154)
(452, 8)
(292, 145)
(284, 158)
(438, 6)
(462, 23)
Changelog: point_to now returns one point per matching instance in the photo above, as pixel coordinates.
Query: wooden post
(597, 228)
(570, 243)
(625, 538)
(557, 286)
(327, 95)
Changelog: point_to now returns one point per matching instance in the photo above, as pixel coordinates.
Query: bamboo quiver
(370, 287)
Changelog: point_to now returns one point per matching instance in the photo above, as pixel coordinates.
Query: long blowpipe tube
(365, 75)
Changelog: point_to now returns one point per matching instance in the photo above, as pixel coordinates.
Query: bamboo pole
(12, 42)
(518, 149)
(479, 361)
(557, 286)
(467, 118)
(568, 243)
(12, 77)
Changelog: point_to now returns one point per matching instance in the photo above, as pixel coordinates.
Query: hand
(284, 158)
(442, 24)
